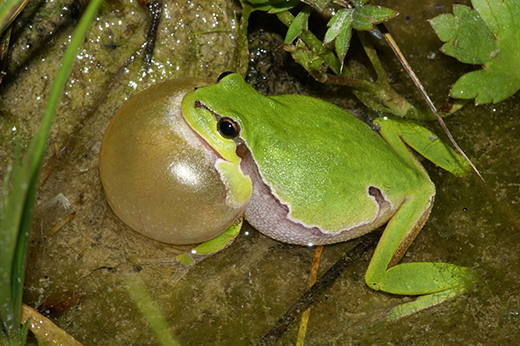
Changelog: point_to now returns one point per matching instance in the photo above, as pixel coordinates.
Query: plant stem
(314, 43)
(379, 95)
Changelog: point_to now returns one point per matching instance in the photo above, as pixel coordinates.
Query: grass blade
(17, 208)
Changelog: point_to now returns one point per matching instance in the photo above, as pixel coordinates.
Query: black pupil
(227, 128)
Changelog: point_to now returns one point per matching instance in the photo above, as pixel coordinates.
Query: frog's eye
(228, 128)
(223, 74)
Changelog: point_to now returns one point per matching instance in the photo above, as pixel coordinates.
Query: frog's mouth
(232, 175)
(241, 148)
(195, 140)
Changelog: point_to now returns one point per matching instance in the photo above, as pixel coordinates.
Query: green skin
(320, 161)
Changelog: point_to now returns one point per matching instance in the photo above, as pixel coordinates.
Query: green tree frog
(309, 173)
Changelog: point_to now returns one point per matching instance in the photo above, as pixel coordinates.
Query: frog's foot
(213, 245)
(423, 302)
(434, 282)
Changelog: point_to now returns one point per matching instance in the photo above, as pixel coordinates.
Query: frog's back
(332, 170)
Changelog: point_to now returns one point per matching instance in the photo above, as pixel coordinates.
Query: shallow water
(235, 296)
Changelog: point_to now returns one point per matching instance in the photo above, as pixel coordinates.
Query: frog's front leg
(213, 245)
(434, 282)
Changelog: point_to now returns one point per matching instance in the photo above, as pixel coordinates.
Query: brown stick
(308, 298)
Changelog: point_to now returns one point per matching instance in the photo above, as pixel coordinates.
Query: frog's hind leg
(433, 282)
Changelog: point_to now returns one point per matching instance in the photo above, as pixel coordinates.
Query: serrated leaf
(343, 41)
(359, 18)
(489, 35)
(468, 46)
(366, 16)
(298, 25)
(342, 18)
(340, 29)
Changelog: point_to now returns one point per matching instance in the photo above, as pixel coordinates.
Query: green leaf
(360, 18)
(308, 59)
(298, 25)
(466, 35)
(489, 35)
(343, 41)
(366, 16)
(340, 29)
(319, 5)
(342, 18)
(273, 6)
(358, 3)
